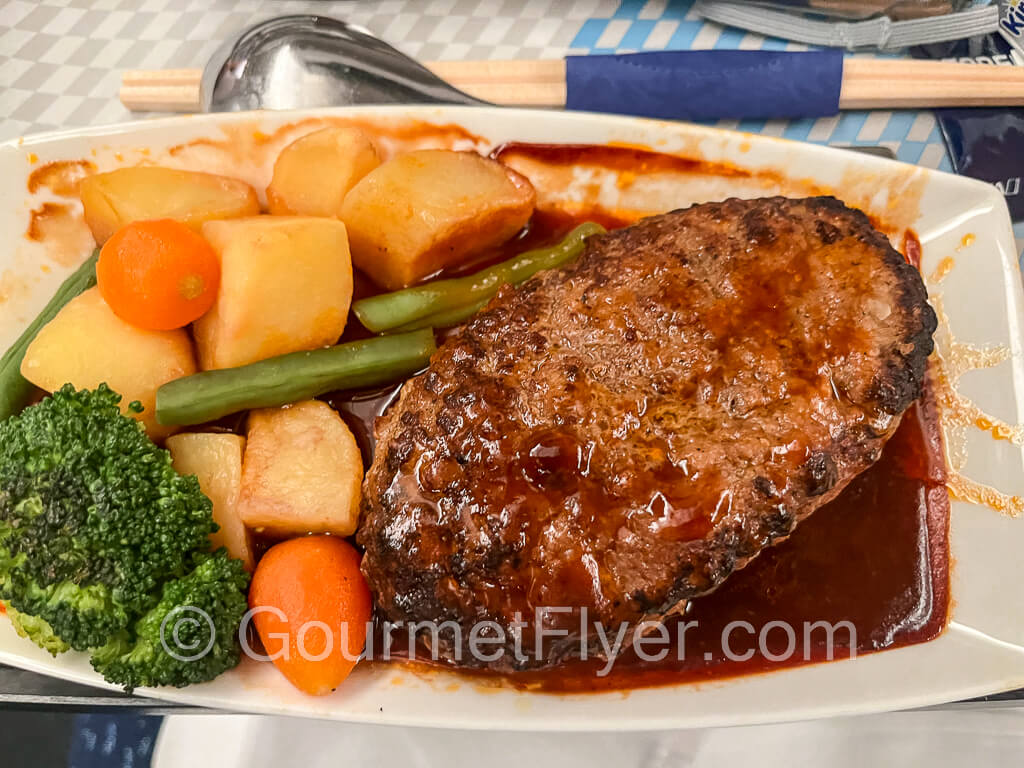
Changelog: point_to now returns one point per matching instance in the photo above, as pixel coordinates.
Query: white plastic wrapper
(857, 24)
(865, 9)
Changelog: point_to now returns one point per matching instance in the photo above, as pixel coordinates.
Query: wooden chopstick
(161, 90)
(514, 83)
(539, 83)
(897, 83)
(867, 84)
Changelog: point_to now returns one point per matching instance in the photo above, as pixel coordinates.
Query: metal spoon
(293, 62)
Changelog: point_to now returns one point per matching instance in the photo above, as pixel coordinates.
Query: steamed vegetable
(289, 378)
(189, 636)
(15, 389)
(158, 275)
(86, 344)
(100, 538)
(111, 200)
(313, 581)
(35, 629)
(445, 319)
(302, 472)
(447, 302)
(285, 286)
(313, 174)
(430, 209)
(93, 518)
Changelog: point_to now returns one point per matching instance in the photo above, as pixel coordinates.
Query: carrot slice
(158, 275)
(311, 607)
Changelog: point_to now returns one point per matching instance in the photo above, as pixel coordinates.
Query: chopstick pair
(687, 84)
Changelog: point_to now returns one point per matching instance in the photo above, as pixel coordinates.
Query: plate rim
(980, 191)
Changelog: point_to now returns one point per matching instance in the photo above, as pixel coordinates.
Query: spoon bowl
(302, 61)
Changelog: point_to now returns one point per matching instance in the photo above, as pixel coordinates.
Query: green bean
(15, 390)
(289, 378)
(444, 319)
(429, 304)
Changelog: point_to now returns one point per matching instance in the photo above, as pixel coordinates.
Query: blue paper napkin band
(707, 85)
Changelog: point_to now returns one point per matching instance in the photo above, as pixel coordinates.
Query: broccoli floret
(36, 630)
(93, 517)
(190, 636)
(86, 615)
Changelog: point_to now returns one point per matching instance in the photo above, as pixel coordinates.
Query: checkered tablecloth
(61, 60)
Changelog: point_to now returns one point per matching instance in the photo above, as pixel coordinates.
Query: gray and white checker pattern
(61, 60)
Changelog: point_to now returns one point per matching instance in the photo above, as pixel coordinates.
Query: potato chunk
(434, 208)
(302, 471)
(216, 459)
(86, 344)
(114, 199)
(285, 286)
(313, 173)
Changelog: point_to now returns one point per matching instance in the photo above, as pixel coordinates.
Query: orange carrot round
(311, 608)
(158, 275)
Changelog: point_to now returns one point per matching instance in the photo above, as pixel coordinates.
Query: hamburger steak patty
(621, 434)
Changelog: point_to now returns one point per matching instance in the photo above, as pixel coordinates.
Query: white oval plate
(982, 650)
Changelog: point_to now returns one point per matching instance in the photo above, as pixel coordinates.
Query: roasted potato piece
(114, 199)
(216, 459)
(431, 209)
(86, 344)
(313, 174)
(302, 471)
(285, 286)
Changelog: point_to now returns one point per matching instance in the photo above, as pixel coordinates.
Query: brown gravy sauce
(911, 247)
(952, 359)
(61, 177)
(628, 159)
(876, 557)
(64, 231)
(248, 146)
